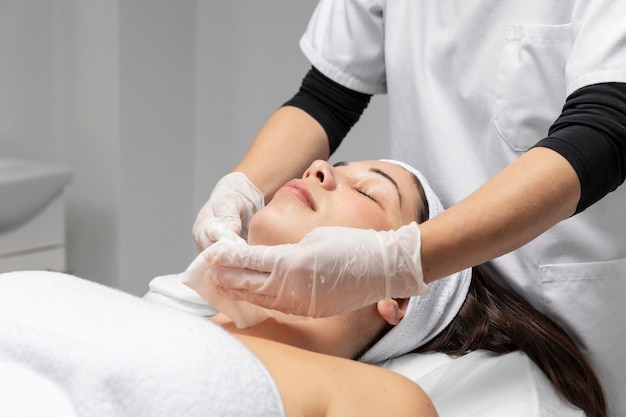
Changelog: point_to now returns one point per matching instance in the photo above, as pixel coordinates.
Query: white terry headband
(425, 316)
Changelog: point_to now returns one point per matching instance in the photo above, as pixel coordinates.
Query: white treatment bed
(70, 347)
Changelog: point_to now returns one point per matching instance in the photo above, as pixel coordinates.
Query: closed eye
(366, 194)
(358, 190)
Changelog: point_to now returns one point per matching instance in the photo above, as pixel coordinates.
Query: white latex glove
(242, 313)
(228, 211)
(330, 271)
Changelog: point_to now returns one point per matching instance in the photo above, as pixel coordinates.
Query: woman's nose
(322, 172)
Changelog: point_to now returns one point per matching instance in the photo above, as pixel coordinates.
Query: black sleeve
(334, 106)
(591, 134)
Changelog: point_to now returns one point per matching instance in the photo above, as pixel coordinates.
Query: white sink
(26, 188)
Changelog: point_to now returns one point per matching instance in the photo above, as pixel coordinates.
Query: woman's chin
(271, 227)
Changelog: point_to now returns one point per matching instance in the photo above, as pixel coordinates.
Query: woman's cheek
(272, 227)
(365, 215)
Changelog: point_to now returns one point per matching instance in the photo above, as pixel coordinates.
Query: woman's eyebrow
(390, 178)
(379, 172)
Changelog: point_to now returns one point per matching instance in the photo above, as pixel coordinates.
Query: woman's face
(366, 194)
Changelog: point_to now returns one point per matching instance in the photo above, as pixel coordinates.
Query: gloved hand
(228, 211)
(330, 271)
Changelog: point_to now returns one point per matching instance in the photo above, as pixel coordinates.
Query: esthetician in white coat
(514, 110)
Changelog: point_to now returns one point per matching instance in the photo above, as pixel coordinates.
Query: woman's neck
(343, 336)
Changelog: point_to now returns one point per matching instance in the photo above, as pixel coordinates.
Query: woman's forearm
(284, 147)
(524, 200)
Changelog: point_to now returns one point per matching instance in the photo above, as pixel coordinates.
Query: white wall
(124, 105)
(156, 110)
(26, 79)
(150, 102)
(249, 63)
(86, 107)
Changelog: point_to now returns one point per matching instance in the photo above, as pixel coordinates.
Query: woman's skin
(317, 385)
(305, 357)
(365, 194)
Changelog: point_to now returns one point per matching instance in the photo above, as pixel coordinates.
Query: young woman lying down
(463, 312)
(73, 347)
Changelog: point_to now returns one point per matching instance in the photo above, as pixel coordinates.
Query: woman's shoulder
(314, 384)
(378, 391)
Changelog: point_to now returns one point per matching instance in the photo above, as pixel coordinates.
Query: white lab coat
(472, 85)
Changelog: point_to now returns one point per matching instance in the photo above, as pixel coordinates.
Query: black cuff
(591, 135)
(334, 106)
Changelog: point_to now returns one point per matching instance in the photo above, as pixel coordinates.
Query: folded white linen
(108, 353)
(170, 291)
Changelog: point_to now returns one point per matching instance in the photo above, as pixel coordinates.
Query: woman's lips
(298, 189)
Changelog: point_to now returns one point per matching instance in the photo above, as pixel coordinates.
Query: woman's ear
(392, 310)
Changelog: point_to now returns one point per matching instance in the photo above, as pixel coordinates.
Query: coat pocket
(531, 89)
(589, 300)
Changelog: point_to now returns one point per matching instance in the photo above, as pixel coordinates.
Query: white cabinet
(32, 215)
(38, 244)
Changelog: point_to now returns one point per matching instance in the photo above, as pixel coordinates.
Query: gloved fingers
(217, 229)
(230, 213)
(330, 271)
(202, 236)
(291, 305)
(237, 279)
(214, 229)
(262, 300)
(251, 257)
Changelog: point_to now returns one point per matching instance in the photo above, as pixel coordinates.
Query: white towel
(90, 350)
(169, 290)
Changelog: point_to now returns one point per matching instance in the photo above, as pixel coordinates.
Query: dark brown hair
(495, 319)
